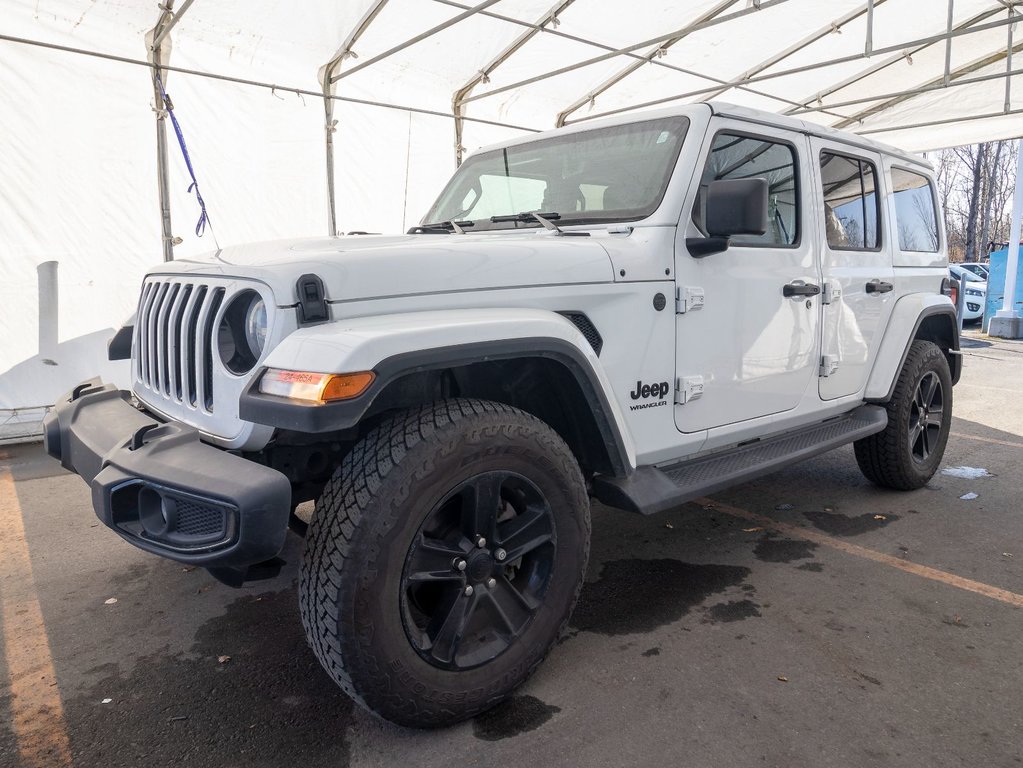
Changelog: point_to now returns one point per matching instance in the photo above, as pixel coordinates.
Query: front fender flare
(396, 345)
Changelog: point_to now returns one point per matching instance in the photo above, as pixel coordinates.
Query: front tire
(444, 559)
(907, 453)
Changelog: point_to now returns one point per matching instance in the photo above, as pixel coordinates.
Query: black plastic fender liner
(312, 418)
(123, 452)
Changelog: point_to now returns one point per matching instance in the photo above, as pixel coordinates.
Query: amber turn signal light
(315, 387)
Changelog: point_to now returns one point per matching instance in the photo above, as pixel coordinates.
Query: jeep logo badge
(649, 390)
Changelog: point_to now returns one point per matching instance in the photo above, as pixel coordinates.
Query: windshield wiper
(543, 218)
(443, 227)
(546, 219)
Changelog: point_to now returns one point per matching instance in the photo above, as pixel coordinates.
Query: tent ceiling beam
(869, 44)
(752, 8)
(483, 76)
(763, 77)
(952, 79)
(260, 83)
(915, 91)
(1008, 68)
(654, 53)
(873, 70)
(834, 27)
(417, 39)
(943, 121)
(948, 40)
(604, 47)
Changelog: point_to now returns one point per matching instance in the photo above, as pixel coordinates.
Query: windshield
(618, 173)
(968, 275)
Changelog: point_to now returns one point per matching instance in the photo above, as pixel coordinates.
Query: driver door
(749, 351)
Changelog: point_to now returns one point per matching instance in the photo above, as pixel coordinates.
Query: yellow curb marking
(916, 569)
(986, 440)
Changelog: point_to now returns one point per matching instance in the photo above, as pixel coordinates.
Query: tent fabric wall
(78, 149)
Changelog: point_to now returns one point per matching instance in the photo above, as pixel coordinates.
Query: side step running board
(654, 489)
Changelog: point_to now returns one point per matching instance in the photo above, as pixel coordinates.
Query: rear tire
(907, 453)
(394, 548)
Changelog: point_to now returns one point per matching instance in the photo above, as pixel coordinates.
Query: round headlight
(242, 333)
(255, 327)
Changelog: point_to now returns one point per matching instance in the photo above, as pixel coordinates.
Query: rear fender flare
(908, 317)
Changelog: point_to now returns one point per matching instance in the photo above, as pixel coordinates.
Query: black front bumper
(162, 489)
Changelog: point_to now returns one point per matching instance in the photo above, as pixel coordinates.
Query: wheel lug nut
(491, 583)
(468, 591)
(501, 555)
(481, 542)
(460, 565)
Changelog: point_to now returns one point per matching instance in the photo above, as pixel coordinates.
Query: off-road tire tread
(884, 458)
(330, 556)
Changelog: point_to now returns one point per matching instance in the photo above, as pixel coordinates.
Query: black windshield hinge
(312, 302)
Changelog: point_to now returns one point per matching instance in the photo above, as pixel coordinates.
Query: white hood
(371, 266)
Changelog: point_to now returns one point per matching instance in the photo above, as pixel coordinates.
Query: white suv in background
(975, 288)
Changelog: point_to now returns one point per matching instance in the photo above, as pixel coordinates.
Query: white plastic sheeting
(78, 137)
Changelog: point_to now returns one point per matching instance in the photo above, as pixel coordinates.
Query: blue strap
(200, 226)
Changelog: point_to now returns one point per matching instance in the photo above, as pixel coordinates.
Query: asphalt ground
(806, 619)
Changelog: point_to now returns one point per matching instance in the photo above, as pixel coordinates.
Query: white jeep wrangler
(643, 310)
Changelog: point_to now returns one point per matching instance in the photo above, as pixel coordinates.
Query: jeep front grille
(175, 337)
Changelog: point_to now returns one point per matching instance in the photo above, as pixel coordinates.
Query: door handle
(879, 286)
(800, 289)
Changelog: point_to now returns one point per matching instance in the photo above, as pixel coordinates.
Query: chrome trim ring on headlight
(241, 336)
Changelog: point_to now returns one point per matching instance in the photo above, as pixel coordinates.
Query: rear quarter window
(916, 219)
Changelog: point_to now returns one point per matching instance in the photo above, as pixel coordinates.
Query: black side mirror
(734, 207)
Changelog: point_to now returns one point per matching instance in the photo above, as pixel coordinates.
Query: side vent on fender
(586, 328)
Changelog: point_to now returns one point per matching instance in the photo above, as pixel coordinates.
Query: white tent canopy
(409, 84)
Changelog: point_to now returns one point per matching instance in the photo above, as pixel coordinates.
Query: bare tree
(975, 187)
(972, 156)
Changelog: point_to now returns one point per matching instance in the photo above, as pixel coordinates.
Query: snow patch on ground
(967, 473)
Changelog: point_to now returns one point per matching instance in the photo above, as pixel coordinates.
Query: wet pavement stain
(270, 704)
(812, 567)
(869, 678)
(634, 596)
(515, 716)
(733, 610)
(772, 550)
(841, 525)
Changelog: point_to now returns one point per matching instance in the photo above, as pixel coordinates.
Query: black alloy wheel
(926, 417)
(478, 570)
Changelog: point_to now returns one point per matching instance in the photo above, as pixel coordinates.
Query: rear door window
(850, 202)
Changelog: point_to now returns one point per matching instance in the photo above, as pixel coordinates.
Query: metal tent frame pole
(327, 82)
(158, 55)
(483, 76)
(654, 53)
(417, 39)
